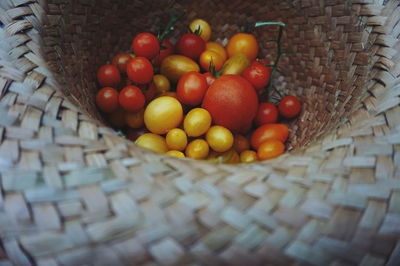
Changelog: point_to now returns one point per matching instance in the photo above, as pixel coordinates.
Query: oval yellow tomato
(175, 153)
(161, 83)
(176, 139)
(248, 156)
(230, 156)
(236, 64)
(219, 138)
(203, 27)
(175, 66)
(197, 122)
(197, 149)
(163, 114)
(152, 142)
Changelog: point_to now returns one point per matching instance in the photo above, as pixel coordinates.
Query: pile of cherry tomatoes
(196, 98)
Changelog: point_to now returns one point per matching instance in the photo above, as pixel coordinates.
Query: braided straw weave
(73, 192)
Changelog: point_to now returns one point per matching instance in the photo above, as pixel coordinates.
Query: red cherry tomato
(267, 132)
(120, 61)
(258, 75)
(146, 45)
(210, 78)
(289, 106)
(267, 113)
(131, 98)
(108, 76)
(107, 100)
(166, 50)
(140, 70)
(190, 45)
(191, 88)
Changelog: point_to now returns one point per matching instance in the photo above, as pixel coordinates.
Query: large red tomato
(232, 102)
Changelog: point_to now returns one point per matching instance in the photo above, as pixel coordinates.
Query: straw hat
(74, 192)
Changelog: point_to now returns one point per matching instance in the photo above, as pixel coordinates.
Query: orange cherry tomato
(270, 149)
(107, 100)
(243, 43)
(218, 48)
(267, 132)
(135, 119)
(207, 56)
(240, 143)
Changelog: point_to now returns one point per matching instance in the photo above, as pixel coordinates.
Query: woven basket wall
(73, 192)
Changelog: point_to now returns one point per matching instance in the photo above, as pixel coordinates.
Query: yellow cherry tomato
(207, 56)
(202, 26)
(197, 149)
(236, 64)
(230, 156)
(175, 153)
(161, 83)
(163, 114)
(241, 143)
(243, 43)
(176, 139)
(152, 142)
(248, 156)
(219, 138)
(197, 122)
(135, 119)
(218, 48)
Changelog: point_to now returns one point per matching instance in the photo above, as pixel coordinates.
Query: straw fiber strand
(74, 192)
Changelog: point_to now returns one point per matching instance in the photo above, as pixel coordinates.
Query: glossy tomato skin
(167, 49)
(107, 100)
(209, 56)
(203, 26)
(267, 113)
(270, 149)
(210, 78)
(190, 45)
(232, 102)
(191, 88)
(289, 106)
(108, 76)
(243, 43)
(146, 45)
(140, 70)
(268, 132)
(175, 66)
(131, 99)
(258, 75)
(120, 61)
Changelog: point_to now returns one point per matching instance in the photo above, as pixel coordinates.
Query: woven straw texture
(74, 192)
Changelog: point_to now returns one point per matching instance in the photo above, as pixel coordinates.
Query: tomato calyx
(214, 72)
(169, 27)
(197, 31)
